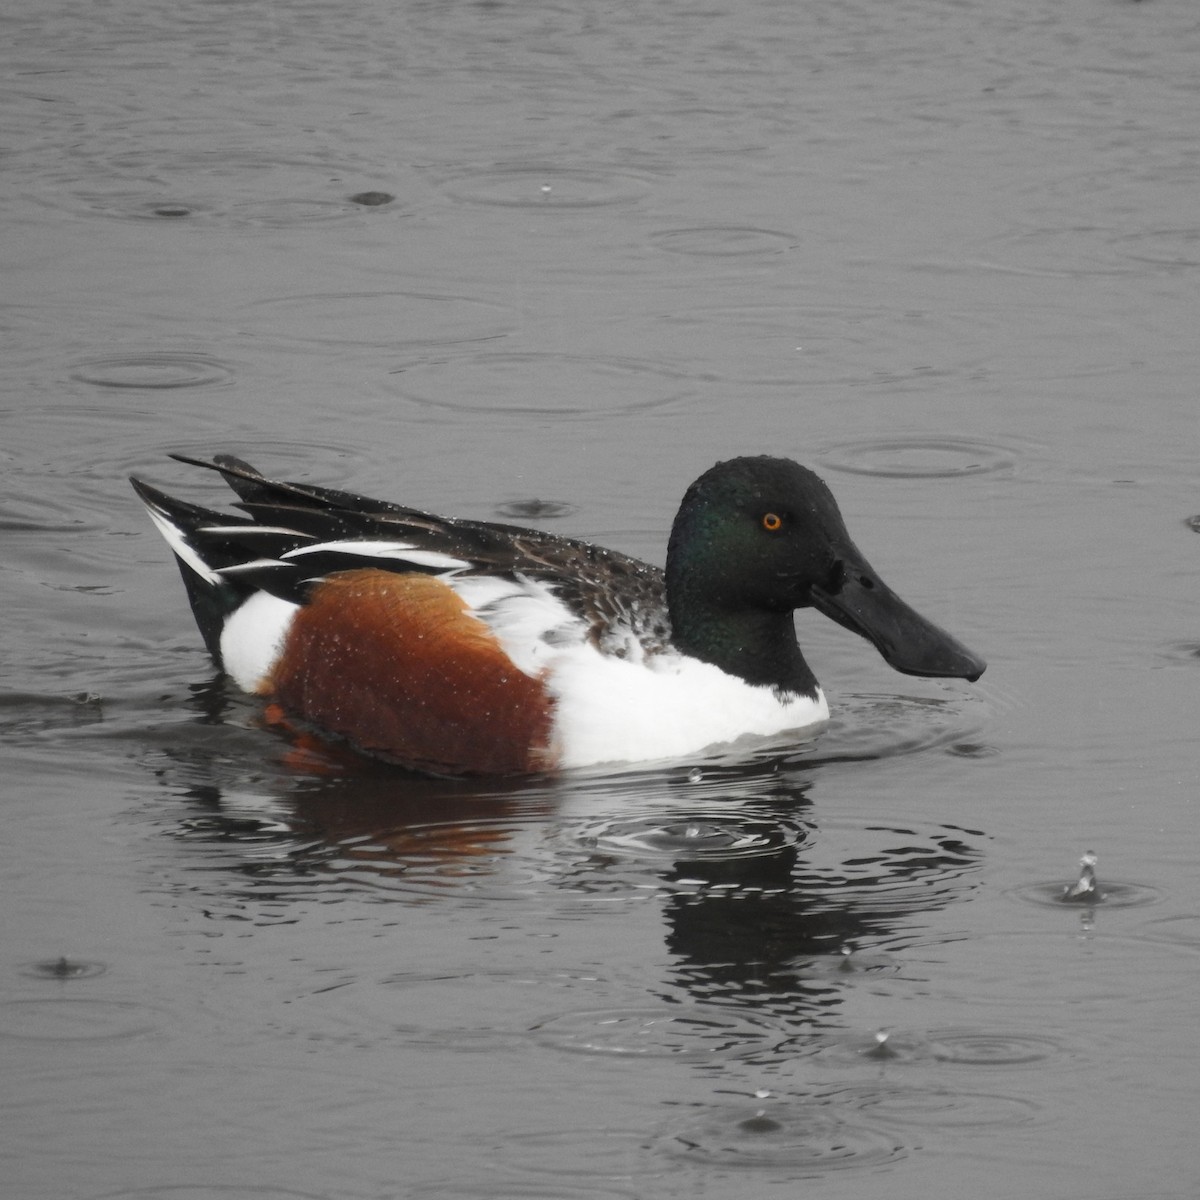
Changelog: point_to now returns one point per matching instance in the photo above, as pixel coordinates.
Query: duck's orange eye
(772, 522)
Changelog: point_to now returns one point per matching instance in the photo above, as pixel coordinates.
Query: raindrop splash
(1084, 890)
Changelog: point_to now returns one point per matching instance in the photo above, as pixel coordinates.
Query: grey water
(548, 262)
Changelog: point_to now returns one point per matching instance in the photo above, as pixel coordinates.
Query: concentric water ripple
(372, 199)
(970, 1048)
(212, 1191)
(63, 1020)
(437, 1005)
(1056, 969)
(541, 384)
(939, 1108)
(491, 859)
(848, 964)
(167, 207)
(136, 1103)
(1187, 652)
(479, 860)
(498, 1188)
(809, 1135)
(856, 1048)
(25, 715)
(152, 369)
(980, 1048)
(547, 187)
(723, 241)
(285, 211)
(328, 463)
(1109, 893)
(666, 1032)
(1183, 930)
(233, 185)
(534, 509)
(577, 1156)
(383, 319)
(63, 968)
(1163, 247)
(871, 725)
(919, 457)
(865, 865)
(887, 868)
(708, 837)
(135, 205)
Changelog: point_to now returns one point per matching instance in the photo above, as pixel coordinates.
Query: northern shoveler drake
(467, 647)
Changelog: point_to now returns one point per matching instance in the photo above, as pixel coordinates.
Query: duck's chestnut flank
(398, 665)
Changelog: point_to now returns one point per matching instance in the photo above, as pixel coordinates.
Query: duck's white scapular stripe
(182, 548)
(405, 551)
(250, 530)
(257, 564)
(531, 623)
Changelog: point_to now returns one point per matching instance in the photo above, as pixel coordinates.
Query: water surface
(547, 263)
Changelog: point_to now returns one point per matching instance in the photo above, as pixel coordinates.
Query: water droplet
(521, 186)
(1085, 889)
(881, 1049)
(760, 1123)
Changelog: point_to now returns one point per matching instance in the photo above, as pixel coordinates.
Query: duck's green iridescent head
(757, 538)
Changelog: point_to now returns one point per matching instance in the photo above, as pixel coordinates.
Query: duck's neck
(755, 644)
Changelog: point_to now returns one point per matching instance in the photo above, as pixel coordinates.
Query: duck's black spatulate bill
(861, 602)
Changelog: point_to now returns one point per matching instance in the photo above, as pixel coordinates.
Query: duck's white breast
(666, 706)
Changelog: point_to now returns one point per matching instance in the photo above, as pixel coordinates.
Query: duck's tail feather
(201, 550)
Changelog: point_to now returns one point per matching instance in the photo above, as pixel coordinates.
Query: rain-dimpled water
(546, 263)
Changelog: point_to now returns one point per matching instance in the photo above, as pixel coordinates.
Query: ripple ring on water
(687, 1033)
(60, 1020)
(723, 241)
(803, 1135)
(918, 457)
(151, 370)
(704, 838)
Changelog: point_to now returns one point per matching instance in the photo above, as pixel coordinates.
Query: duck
(465, 647)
